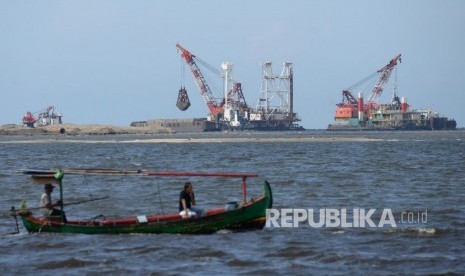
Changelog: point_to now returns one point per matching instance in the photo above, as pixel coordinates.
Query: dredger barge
(230, 111)
(356, 114)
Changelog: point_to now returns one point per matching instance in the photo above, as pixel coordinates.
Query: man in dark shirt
(186, 200)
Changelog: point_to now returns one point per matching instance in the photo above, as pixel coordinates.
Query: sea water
(408, 173)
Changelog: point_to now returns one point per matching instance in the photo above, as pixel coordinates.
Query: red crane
(349, 106)
(385, 73)
(214, 106)
(29, 119)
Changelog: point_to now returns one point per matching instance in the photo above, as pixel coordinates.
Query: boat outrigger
(246, 215)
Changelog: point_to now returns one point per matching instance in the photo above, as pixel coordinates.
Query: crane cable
(208, 66)
(363, 81)
(209, 77)
(182, 73)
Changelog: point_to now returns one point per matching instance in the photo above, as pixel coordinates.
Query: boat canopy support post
(61, 199)
(217, 174)
(244, 189)
(59, 176)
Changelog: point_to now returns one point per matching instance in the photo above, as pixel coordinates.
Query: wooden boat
(247, 215)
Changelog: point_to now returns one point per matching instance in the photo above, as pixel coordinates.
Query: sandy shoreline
(192, 140)
(71, 133)
(76, 130)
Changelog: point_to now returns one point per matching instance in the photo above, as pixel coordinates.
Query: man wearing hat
(47, 205)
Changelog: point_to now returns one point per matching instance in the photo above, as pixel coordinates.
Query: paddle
(65, 204)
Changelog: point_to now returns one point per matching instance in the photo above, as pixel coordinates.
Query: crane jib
(207, 95)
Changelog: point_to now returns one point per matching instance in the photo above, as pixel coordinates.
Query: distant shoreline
(194, 140)
(76, 130)
(71, 133)
(95, 133)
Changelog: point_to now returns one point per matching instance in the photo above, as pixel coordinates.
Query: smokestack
(360, 101)
(361, 116)
(404, 105)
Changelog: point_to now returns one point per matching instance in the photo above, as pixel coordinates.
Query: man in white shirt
(47, 207)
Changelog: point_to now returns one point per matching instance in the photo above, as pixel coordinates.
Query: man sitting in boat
(186, 200)
(47, 207)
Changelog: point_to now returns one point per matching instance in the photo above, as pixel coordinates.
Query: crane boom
(383, 79)
(214, 107)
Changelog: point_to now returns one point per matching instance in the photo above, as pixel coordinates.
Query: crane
(29, 119)
(348, 100)
(385, 73)
(43, 118)
(213, 105)
(232, 107)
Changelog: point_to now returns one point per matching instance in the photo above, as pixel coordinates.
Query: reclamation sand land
(66, 132)
(73, 130)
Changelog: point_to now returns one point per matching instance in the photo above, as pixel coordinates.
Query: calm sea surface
(419, 176)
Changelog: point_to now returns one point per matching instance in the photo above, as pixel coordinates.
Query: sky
(114, 62)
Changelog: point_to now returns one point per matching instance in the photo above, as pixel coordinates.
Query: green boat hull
(251, 215)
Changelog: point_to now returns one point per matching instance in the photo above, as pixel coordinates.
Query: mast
(291, 95)
(286, 88)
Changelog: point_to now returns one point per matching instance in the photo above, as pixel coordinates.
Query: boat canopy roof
(42, 176)
(55, 175)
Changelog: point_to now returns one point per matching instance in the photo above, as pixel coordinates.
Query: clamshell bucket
(183, 102)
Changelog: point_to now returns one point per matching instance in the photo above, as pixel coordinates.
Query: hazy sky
(114, 62)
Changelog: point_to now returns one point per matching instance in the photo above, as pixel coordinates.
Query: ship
(230, 111)
(356, 114)
(43, 118)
